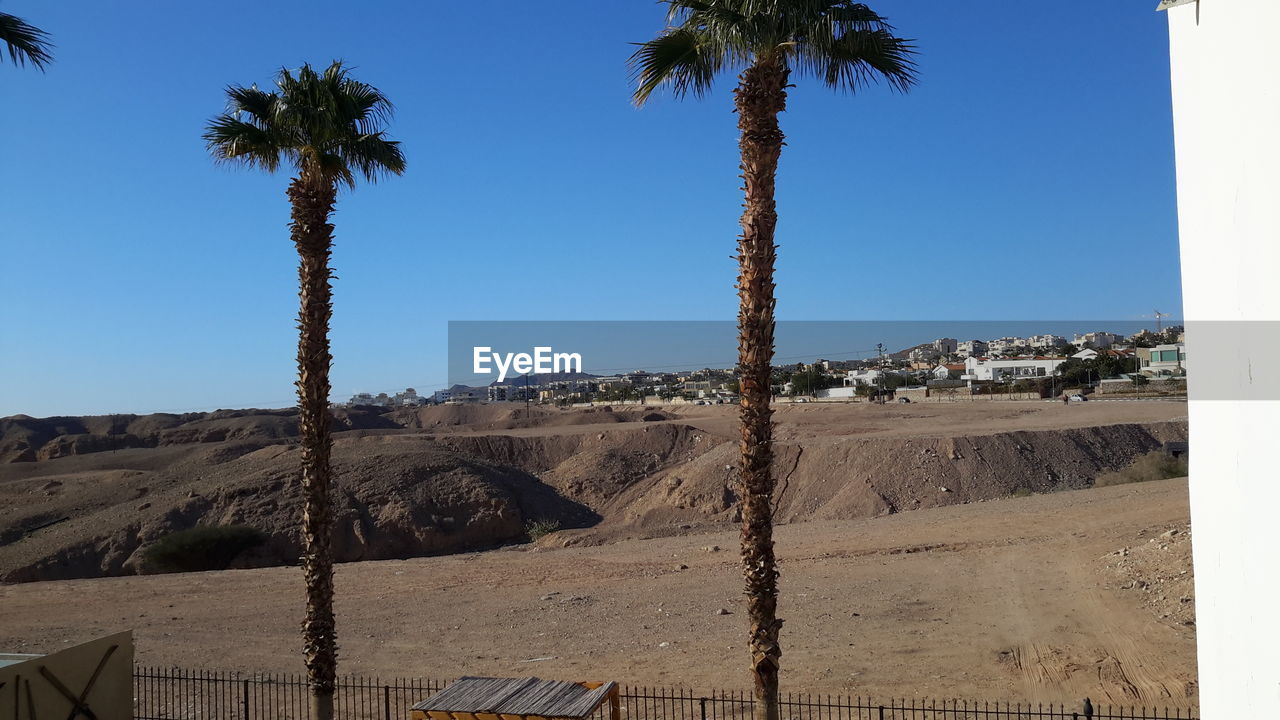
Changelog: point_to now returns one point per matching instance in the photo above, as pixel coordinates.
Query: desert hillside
(84, 497)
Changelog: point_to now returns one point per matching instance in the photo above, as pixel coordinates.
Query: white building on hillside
(924, 355)
(945, 346)
(971, 348)
(1163, 360)
(408, 398)
(1097, 340)
(872, 376)
(948, 371)
(1008, 369)
(1091, 354)
(1005, 345)
(1046, 342)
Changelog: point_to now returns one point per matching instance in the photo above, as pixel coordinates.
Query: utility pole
(526, 394)
(880, 361)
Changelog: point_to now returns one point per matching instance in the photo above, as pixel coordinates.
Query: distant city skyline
(1026, 352)
(1023, 178)
(609, 348)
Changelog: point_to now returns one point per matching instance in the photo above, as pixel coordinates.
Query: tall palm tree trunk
(759, 97)
(313, 236)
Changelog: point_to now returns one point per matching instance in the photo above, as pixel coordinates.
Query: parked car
(1077, 398)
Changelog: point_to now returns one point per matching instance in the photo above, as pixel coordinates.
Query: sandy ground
(807, 421)
(1010, 599)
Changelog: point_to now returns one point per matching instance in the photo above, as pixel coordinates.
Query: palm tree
(846, 46)
(328, 127)
(26, 43)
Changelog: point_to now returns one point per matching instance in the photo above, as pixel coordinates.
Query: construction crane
(1158, 316)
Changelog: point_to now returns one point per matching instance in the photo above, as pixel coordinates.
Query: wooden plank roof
(518, 696)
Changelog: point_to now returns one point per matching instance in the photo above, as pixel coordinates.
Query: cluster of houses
(945, 361)
(408, 398)
(1010, 359)
(1007, 346)
(708, 385)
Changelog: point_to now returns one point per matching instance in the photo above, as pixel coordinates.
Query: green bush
(536, 529)
(1155, 465)
(206, 547)
(1022, 492)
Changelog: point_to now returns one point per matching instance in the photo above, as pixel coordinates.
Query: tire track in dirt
(1128, 672)
(1111, 658)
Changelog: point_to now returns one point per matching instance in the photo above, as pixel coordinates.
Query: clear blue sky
(1030, 175)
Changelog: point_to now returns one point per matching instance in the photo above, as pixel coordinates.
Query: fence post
(246, 699)
(386, 702)
(702, 705)
(881, 712)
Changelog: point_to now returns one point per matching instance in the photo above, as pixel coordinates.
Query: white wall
(1226, 108)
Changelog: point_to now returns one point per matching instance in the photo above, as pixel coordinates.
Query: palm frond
(855, 16)
(712, 17)
(259, 105)
(25, 43)
(364, 105)
(859, 57)
(372, 156)
(229, 138)
(335, 167)
(679, 58)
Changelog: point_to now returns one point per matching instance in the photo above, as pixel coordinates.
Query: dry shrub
(540, 528)
(205, 547)
(1155, 465)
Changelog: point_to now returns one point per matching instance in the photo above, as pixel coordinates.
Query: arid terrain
(1019, 599)
(84, 497)
(909, 569)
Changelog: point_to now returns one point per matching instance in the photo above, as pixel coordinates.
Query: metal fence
(178, 694)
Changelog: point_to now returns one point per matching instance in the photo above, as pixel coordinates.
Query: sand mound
(436, 416)
(868, 477)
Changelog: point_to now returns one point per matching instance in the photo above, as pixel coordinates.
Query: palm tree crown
(327, 125)
(844, 44)
(26, 43)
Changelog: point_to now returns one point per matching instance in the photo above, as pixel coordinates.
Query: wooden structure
(92, 681)
(483, 698)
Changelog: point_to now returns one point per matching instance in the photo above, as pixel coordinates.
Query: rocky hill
(82, 497)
